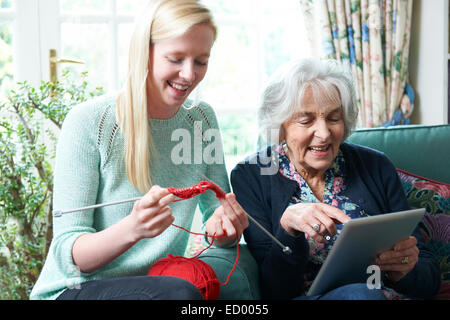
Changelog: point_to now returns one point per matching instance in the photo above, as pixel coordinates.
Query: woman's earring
(284, 146)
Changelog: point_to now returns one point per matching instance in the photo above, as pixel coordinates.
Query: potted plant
(30, 120)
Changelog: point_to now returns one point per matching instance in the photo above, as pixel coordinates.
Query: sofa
(419, 149)
(421, 155)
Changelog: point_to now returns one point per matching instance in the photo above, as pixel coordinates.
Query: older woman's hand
(400, 260)
(314, 219)
(228, 221)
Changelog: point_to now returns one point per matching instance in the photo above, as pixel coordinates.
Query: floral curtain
(372, 38)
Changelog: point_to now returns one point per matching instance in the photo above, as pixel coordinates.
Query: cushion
(425, 193)
(434, 196)
(411, 147)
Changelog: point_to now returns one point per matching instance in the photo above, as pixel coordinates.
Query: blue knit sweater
(90, 168)
(371, 182)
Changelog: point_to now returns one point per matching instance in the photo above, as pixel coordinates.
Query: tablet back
(357, 245)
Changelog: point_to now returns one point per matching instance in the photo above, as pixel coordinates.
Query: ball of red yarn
(198, 272)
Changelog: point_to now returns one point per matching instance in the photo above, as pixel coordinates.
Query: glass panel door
(94, 31)
(97, 32)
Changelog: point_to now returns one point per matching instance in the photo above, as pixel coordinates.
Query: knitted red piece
(187, 193)
(197, 272)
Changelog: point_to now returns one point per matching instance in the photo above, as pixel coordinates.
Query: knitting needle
(286, 249)
(59, 213)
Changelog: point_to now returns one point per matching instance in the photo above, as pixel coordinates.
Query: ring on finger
(316, 227)
(405, 260)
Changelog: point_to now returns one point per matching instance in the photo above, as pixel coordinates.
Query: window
(255, 38)
(97, 32)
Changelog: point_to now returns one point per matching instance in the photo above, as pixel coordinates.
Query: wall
(428, 61)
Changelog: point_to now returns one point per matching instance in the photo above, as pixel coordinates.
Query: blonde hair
(160, 20)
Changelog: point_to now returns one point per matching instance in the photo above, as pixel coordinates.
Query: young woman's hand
(228, 221)
(151, 215)
(149, 218)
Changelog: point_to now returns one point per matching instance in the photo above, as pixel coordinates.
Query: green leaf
(26, 173)
(398, 61)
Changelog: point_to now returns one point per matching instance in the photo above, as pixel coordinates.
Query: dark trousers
(353, 291)
(134, 288)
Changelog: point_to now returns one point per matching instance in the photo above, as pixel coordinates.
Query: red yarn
(192, 269)
(187, 193)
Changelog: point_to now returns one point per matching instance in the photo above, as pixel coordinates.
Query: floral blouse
(333, 195)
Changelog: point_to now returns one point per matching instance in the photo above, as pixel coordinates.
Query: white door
(94, 31)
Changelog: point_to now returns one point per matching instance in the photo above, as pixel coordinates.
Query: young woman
(122, 147)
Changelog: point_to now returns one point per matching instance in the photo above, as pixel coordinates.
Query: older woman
(320, 182)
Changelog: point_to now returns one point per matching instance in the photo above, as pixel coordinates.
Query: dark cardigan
(371, 181)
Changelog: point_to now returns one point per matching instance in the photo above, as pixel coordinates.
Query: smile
(178, 86)
(319, 149)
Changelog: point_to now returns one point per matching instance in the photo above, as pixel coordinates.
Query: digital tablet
(357, 245)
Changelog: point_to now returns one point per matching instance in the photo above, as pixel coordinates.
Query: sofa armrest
(244, 281)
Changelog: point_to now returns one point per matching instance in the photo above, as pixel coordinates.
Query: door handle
(54, 61)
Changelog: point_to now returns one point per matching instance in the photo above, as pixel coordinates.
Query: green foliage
(355, 6)
(238, 135)
(274, 45)
(29, 123)
(5, 3)
(6, 63)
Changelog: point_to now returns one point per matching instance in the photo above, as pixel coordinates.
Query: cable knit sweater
(90, 169)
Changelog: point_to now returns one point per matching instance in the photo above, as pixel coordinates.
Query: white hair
(284, 93)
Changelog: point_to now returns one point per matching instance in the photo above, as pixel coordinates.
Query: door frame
(36, 30)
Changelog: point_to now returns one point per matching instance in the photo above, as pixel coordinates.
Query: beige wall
(428, 61)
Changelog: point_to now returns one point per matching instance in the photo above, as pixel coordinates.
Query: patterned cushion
(195, 246)
(434, 196)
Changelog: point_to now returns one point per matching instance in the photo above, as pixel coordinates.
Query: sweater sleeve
(280, 273)
(76, 180)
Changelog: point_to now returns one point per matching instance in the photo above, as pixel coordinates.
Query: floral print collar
(334, 179)
(334, 195)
